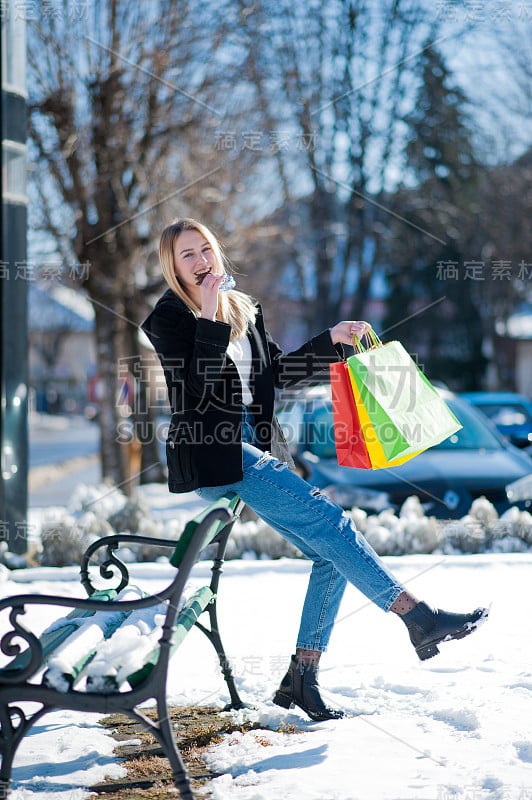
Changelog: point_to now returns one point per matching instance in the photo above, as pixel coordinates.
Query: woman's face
(194, 258)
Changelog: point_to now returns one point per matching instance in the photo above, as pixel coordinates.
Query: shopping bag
(375, 450)
(407, 413)
(356, 442)
(351, 450)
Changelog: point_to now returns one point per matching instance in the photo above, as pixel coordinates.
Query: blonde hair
(234, 308)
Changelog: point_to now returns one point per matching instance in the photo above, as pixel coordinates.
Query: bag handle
(370, 337)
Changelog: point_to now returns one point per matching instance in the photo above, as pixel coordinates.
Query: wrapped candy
(227, 284)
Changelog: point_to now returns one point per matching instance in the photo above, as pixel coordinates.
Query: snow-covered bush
(483, 511)
(63, 542)
(99, 511)
(422, 534)
(482, 530)
(104, 497)
(130, 516)
(519, 524)
(466, 535)
(94, 512)
(410, 532)
(256, 539)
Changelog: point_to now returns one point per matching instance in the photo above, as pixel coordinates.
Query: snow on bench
(111, 652)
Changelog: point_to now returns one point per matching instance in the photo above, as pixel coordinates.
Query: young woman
(221, 369)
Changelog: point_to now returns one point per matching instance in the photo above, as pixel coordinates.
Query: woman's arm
(192, 352)
(315, 355)
(343, 332)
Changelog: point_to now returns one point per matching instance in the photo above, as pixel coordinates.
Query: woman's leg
(328, 536)
(323, 532)
(315, 525)
(324, 593)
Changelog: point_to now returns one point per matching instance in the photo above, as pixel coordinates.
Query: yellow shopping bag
(374, 447)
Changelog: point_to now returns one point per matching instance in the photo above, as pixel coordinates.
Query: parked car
(510, 412)
(476, 461)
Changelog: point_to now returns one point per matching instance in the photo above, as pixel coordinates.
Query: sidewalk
(53, 485)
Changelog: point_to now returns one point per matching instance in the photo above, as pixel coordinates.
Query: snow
(128, 650)
(456, 727)
(89, 636)
(67, 752)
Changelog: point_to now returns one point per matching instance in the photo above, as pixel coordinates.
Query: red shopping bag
(351, 450)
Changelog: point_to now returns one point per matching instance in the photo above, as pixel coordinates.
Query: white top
(239, 350)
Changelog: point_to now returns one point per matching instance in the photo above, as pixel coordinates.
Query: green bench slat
(186, 620)
(110, 622)
(229, 502)
(52, 639)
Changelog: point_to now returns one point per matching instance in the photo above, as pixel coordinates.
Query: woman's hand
(343, 332)
(209, 295)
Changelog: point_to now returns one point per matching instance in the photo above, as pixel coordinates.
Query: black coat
(204, 445)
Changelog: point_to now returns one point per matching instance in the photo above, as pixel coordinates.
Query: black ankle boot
(428, 627)
(300, 687)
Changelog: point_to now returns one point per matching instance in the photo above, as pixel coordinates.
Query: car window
(506, 413)
(290, 417)
(474, 434)
(320, 427)
(309, 425)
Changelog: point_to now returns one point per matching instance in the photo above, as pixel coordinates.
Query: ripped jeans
(321, 530)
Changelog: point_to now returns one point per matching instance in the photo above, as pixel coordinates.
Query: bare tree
(501, 238)
(338, 79)
(124, 107)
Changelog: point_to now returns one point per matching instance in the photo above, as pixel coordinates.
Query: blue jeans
(321, 530)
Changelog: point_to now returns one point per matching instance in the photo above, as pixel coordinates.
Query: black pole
(13, 288)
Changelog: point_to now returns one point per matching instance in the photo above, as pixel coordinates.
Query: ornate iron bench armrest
(109, 567)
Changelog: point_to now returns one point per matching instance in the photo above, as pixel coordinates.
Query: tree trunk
(106, 331)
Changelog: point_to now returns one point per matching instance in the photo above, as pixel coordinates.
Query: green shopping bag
(406, 411)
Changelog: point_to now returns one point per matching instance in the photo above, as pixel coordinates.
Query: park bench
(67, 667)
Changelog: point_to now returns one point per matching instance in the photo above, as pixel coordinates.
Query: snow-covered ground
(455, 727)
